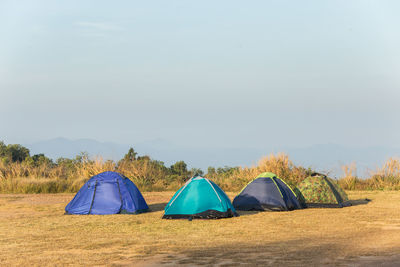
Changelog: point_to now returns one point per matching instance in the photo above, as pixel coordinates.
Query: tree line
(21, 172)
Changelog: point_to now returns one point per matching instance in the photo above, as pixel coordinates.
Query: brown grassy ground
(34, 231)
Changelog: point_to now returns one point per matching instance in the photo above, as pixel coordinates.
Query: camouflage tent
(320, 191)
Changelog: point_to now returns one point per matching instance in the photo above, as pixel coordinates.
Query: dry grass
(83, 168)
(280, 164)
(147, 175)
(385, 178)
(150, 175)
(34, 231)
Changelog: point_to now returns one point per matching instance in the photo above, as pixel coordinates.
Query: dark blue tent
(266, 192)
(107, 193)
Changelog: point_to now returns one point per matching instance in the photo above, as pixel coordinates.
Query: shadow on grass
(299, 252)
(356, 202)
(157, 207)
(288, 253)
(160, 207)
(247, 212)
(349, 203)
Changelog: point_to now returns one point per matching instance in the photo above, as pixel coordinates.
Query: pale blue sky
(204, 73)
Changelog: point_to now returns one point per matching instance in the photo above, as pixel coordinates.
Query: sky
(201, 73)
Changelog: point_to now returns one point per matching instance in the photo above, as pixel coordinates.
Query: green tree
(17, 153)
(83, 157)
(68, 167)
(131, 155)
(179, 168)
(145, 158)
(65, 161)
(3, 149)
(41, 159)
(196, 172)
(210, 171)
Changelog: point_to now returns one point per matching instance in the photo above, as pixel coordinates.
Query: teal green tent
(199, 198)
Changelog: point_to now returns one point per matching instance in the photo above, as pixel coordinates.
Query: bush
(21, 173)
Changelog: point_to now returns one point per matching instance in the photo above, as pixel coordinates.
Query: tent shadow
(356, 202)
(157, 207)
(247, 212)
(349, 203)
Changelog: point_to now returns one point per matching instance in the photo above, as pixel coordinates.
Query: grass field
(34, 231)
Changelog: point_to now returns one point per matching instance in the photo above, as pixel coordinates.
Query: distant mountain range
(323, 157)
(63, 147)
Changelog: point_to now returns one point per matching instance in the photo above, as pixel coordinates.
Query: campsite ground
(34, 231)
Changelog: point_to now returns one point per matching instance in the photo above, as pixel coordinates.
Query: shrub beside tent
(107, 193)
(267, 192)
(318, 190)
(199, 198)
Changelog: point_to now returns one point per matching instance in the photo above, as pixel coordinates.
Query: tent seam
(277, 187)
(94, 193)
(120, 195)
(215, 191)
(246, 186)
(288, 186)
(188, 182)
(333, 189)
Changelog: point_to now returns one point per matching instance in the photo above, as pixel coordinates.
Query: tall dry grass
(279, 164)
(70, 175)
(386, 177)
(350, 180)
(149, 175)
(23, 177)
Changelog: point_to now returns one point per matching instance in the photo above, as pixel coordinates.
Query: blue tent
(107, 193)
(266, 192)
